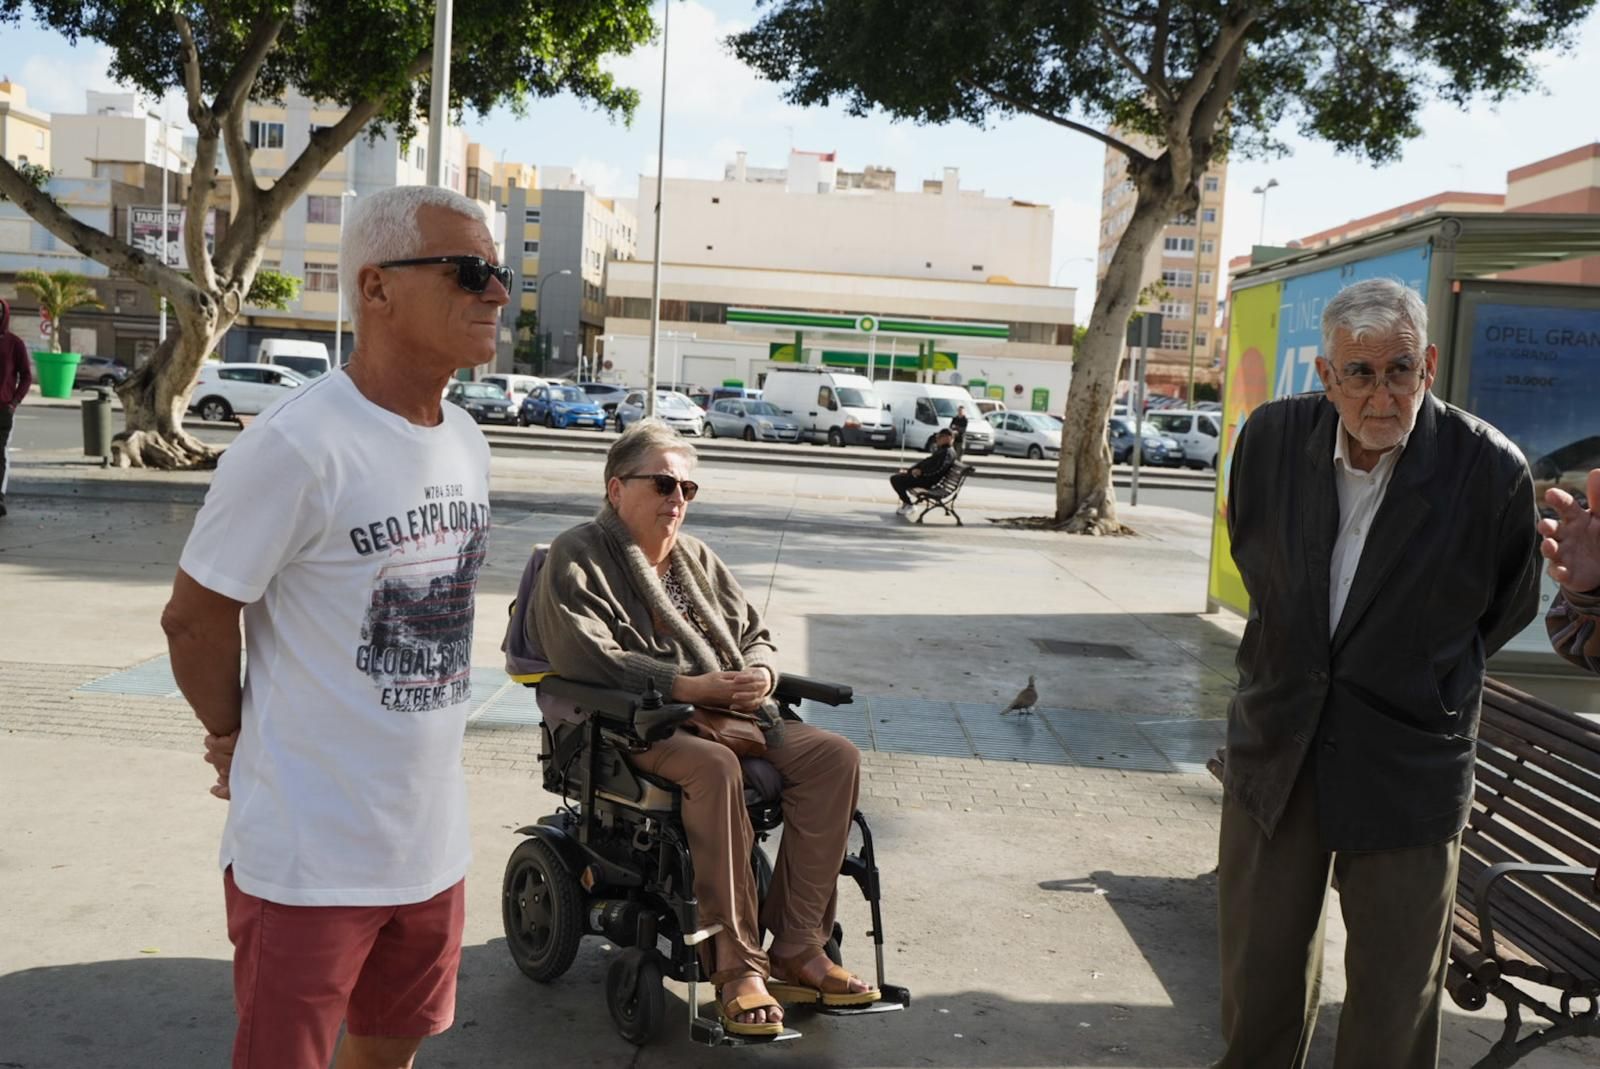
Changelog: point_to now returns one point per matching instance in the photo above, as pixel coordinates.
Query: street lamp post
(338, 266)
(1272, 183)
(439, 97)
(661, 184)
(538, 302)
(166, 253)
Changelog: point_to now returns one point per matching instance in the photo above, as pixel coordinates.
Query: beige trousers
(1272, 898)
(821, 780)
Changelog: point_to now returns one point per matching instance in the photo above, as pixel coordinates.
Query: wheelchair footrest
(709, 1031)
(894, 998)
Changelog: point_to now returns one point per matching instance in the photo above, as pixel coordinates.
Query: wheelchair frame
(650, 913)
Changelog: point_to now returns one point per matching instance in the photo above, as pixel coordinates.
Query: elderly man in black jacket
(1387, 542)
(927, 472)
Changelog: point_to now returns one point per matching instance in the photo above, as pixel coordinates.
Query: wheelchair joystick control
(651, 698)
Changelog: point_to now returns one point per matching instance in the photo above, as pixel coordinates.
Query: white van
(517, 387)
(833, 406)
(1198, 432)
(920, 409)
(308, 358)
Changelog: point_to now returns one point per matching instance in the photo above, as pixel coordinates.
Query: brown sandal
(828, 983)
(731, 1010)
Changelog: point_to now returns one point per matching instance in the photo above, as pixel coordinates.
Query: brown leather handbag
(743, 733)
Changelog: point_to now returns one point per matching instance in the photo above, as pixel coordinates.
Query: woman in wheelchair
(628, 601)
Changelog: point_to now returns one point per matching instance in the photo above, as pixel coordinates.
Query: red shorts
(300, 970)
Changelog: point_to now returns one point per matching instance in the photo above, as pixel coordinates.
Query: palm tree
(58, 293)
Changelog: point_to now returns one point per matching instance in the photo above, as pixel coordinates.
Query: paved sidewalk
(1048, 895)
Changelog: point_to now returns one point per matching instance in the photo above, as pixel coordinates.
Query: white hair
(1375, 306)
(383, 227)
(639, 441)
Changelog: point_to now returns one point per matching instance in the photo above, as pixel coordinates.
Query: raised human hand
(1571, 541)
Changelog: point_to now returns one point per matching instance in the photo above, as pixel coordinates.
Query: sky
(717, 106)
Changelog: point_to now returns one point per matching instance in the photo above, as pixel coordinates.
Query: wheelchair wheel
(542, 910)
(833, 945)
(639, 1007)
(761, 865)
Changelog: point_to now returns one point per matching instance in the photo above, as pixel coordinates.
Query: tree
(1171, 85)
(368, 57)
(33, 174)
(58, 293)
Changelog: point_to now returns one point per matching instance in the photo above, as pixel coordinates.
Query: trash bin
(97, 424)
(56, 372)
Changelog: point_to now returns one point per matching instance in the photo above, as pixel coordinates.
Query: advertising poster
(1275, 337)
(1536, 376)
(145, 233)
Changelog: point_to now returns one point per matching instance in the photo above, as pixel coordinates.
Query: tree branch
(1133, 154)
(1209, 111)
(1158, 40)
(121, 257)
(1230, 36)
(229, 106)
(1156, 83)
(202, 174)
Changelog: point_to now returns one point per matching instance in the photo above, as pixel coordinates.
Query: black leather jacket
(1386, 708)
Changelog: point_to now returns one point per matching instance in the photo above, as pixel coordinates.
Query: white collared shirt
(1360, 495)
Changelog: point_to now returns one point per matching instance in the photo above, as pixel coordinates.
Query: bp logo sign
(866, 324)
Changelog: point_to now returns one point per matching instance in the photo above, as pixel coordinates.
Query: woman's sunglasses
(472, 272)
(665, 484)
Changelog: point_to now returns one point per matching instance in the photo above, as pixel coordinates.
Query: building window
(268, 265)
(1175, 309)
(322, 209)
(716, 200)
(530, 248)
(530, 217)
(1178, 245)
(1212, 183)
(1205, 278)
(1183, 219)
(1200, 338)
(266, 134)
(628, 307)
(1208, 215)
(421, 156)
(38, 139)
(322, 278)
(530, 284)
(1035, 333)
(1208, 247)
(707, 312)
(1174, 339)
(1177, 278)
(977, 267)
(1203, 307)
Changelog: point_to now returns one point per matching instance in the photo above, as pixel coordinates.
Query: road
(46, 429)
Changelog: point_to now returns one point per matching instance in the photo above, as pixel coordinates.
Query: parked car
(737, 392)
(561, 406)
(674, 408)
(99, 371)
(921, 409)
(1198, 432)
(1158, 450)
(1034, 435)
(608, 395)
(223, 391)
(750, 420)
(987, 406)
(517, 387)
(837, 407)
(308, 359)
(483, 401)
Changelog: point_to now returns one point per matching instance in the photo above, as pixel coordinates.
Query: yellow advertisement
(1250, 373)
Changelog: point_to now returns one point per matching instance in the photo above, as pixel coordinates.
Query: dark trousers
(7, 419)
(902, 483)
(1272, 897)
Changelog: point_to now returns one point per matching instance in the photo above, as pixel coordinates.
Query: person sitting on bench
(925, 473)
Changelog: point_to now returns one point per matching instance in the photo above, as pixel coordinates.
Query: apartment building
(25, 133)
(1182, 275)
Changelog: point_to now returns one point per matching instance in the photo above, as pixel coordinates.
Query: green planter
(56, 372)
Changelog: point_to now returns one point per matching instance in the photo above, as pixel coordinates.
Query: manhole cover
(1104, 650)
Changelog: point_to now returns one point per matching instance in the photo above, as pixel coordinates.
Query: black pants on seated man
(902, 483)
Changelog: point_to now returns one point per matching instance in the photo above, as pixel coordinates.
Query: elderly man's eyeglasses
(665, 484)
(1400, 380)
(472, 272)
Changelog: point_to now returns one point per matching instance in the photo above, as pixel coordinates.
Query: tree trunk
(1086, 503)
(156, 396)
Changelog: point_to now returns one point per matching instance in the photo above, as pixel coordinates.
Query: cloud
(1075, 244)
(606, 178)
(56, 83)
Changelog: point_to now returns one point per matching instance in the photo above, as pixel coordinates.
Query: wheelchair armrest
(621, 708)
(793, 688)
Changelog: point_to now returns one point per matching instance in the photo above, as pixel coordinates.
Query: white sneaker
(902, 510)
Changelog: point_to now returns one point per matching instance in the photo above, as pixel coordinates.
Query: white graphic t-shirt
(355, 538)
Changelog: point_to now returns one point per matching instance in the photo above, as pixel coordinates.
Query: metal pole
(1136, 406)
(439, 99)
(661, 184)
(338, 316)
(1194, 296)
(872, 357)
(1261, 235)
(165, 250)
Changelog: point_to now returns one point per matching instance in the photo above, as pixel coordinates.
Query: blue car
(561, 406)
(1158, 450)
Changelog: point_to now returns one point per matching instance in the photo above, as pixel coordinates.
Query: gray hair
(1375, 306)
(383, 227)
(639, 441)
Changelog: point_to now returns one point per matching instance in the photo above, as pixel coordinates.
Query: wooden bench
(1527, 911)
(943, 494)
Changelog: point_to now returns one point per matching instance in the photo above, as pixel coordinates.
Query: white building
(115, 131)
(942, 283)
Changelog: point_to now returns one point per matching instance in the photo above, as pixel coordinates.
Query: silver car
(1034, 435)
(676, 410)
(751, 420)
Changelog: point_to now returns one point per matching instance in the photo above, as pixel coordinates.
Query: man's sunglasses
(472, 272)
(665, 484)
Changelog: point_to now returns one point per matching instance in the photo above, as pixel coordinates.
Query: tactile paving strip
(913, 726)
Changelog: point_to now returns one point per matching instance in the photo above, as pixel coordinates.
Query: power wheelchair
(614, 861)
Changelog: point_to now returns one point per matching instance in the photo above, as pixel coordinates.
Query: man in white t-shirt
(348, 525)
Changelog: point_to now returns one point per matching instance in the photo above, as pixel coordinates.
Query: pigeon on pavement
(1024, 702)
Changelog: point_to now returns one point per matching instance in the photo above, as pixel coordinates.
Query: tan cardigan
(599, 603)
